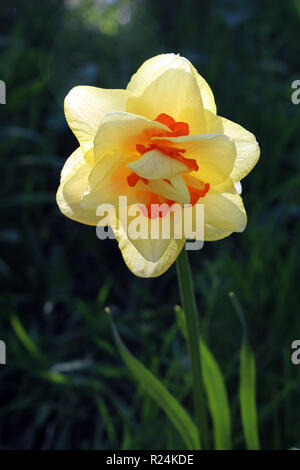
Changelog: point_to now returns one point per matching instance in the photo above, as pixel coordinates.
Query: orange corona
(177, 129)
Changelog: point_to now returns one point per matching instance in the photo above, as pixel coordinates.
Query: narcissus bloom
(158, 141)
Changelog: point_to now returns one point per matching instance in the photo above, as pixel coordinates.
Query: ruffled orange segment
(152, 210)
(177, 129)
(195, 193)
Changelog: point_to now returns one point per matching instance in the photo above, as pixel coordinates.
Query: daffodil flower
(158, 141)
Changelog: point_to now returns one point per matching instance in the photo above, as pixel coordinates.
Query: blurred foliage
(64, 385)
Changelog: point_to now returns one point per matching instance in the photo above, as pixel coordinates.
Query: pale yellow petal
(73, 163)
(124, 131)
(215, 155)
(228, 186)
(247, 148)
(74, 182)
(147, 258)
(174, 192)
(110, 166)
(108, 181)
(153, 67)
(215, 233)
(206, 93)
(225, 211)
(141, 267)
(85, 107)
(180, 186)
(150, 69)
(156, 165)
(168, 84)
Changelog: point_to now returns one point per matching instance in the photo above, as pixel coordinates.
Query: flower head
(158, 141)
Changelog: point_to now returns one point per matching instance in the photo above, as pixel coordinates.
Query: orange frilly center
(177, 129)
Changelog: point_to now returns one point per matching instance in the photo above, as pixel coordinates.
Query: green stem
(188, 301)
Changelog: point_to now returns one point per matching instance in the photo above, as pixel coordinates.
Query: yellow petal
(212, 233)
(108, 181)
(111, 166)
(73, 163)
(206, 93)
(109, 192)
(228, 190)
(180, 186)
(156, 165)
(176, 191)
(124, 131)
(228, 186)
(141, 267)
(168, 84)
(150, 69)
(147, 258)
(85, 107)
(247, 148)
(74, 182)
(215, 155)
(154, 67)
(225, 211)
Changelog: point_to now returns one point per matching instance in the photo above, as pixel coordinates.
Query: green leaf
(106, 419)
(24, 337)
(247, 396)
(217, 398)
(55, 377)
(158, 392)
(215, 389)
(180, 317)
(247, 383)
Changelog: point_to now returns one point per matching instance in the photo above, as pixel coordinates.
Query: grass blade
(158, 392)
(247, 393)
(217, 398)
(215, 389)
(247, 396)
(24, 337)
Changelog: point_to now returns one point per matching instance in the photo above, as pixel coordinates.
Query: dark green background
(64, 385)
